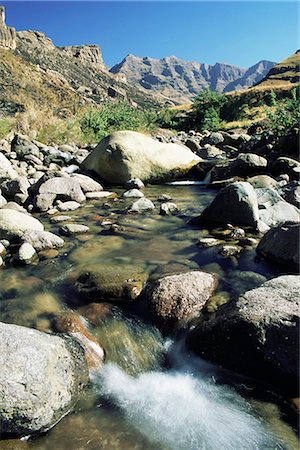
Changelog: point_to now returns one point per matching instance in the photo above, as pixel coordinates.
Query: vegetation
(285, 115)
(97, 123)
(5, 127)
(206, 111)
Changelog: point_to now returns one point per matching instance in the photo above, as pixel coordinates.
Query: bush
(114, 117)
(5, 127)
(206, 111)
(286, 114)
(270, 98)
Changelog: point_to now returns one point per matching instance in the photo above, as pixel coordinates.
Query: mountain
(285, 74)
(182, 80)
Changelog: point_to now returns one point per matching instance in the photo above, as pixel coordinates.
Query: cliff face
(181, 80)
(87, 54)
(287, 72)
(7, 34)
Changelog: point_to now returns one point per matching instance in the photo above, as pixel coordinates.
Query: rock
(284, 165)
(291, 193)
(16, 207)
(124, 155)
(241, 281)
(14, 224)
(41, 377)
(168, 208)
(7, 172)
(278, 214)
(141, 205)
(236, 204)
(246, 164)
(281, 245)
(256, 335)
(3, 201)
(209, 242)
(133, 193)
(98, 195)
(262, 181)
(95, 313)
(176, 298)
(134, 183)
(87, 184)
(26, 254)
(73, 324)
(43, 240)
(19, 185)
(23, 146)
(230, 250)
(109, 283)
(53, 186)
(67, 206)
(73, 228)
(267, 197)
(237, 233)
(213, 139)
(164, 198)
(57, 219)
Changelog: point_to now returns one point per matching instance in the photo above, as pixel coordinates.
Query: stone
(26, 254)
(22, 146)
(3, 201)
(41, 377)
(141, 205)
(174, 299)
(99, 195)
(281, 245)
(134, 183)
(95, 313)
(53, 186)
(7, 172)
(124, 155)
(278, 213)
(67, 206)
(133, 193)
(109, 283)
(291, 193)
(73, 228)
(13, 224)
(267, 197)
(168, 208)
(285, 165)
(246, 164)
(236, 204)
(57, 219)
(257, 334)
(262, 181)
(43, 240)
(19, 185)
(87, 184)
(214, 138)
(230, 250)
(209, 242)
(164, 198)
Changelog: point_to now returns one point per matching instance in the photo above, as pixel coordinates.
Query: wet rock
(14, 224)
(73, 324)
(99, 195)
(124, 155)
(109, 283)
(41, 377)
(262, 181)
(236, 204)
(164, 198)
(133, 193)
(209, 242)
(7, 172)
(176, 298)
(95, 313)
(168, 208)
(67, 206)
(87, 184)
(73, 228)
(230, 250)
(43, 240)
(141, 205)
(281, 245)
(256, 334)
(237, 233)
(135, 183)
(241, 281)
(26, 254)
(57, 219)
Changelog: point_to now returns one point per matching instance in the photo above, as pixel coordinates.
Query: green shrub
(96, 124)
(206, 110)
(5, 127)
(286, 114)
(270, 98)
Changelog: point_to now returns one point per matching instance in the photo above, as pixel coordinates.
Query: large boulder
(257, 335)
(236, 204)
(127, 154)
(42, 240)
(13, 224)
(175, 298)
(278, 213)
(7, 172)
(22, 146)
(281, 245)
(40, 379)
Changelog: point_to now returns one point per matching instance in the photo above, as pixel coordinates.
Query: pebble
(73, 228)
(68, 206)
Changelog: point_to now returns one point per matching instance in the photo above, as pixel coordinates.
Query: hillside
(182, 80)
(284, 74)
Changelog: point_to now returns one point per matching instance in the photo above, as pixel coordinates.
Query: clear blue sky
(239, 33)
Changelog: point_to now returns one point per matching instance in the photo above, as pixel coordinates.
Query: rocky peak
(7, 34)
(35, 41)
(89, 54)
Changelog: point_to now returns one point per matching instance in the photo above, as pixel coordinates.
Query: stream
(152, 392)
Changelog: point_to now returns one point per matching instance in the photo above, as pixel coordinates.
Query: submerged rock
(256, 334)
(124, 155)
(41, 377)
(141, 205)
(175, 298)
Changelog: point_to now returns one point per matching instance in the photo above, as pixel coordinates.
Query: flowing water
(151, 394)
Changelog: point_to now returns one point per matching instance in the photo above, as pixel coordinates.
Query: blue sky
(239, 32)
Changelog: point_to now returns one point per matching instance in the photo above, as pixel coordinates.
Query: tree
(206, 110)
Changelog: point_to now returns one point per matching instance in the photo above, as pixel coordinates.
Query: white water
(182, 412)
